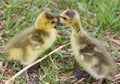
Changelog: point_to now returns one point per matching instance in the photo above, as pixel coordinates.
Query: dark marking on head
(70, 13)
(49, 15)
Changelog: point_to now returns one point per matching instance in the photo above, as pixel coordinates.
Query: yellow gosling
(88, 51)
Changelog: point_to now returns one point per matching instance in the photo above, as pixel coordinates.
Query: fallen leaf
(9, 72)
(4, 33)
(2, 24)
(14, 16)
(116, 41)
(79, 82)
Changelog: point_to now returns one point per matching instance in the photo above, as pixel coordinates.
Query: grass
(99, 16)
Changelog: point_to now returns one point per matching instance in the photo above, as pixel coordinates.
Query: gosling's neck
(78, 30)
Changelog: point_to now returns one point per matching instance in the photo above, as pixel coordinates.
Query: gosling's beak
(58, 22)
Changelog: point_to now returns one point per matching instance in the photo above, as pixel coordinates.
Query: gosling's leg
(100, 81)
(33, 80)
(26, 77)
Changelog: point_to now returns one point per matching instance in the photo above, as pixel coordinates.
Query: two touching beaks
(69, 12)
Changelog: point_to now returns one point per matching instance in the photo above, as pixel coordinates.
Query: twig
(78, 82)
(1, 49)
(27, 67)
(116, 41)
(53, 3)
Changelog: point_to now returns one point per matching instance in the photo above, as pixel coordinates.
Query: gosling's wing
(38, 38)
(98, 59)
(94, 49)
(20, 39)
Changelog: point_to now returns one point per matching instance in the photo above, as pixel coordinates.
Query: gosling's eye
(64, 18)
(53, 22)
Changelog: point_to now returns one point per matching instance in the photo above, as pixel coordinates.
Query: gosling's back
(26, 46)
(93, 57)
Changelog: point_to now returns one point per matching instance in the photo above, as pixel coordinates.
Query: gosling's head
(69, 17)
(46, 21)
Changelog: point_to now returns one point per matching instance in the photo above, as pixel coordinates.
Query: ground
(101, 18)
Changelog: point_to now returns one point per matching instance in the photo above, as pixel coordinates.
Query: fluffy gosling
(25, 47)
(89, 52)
